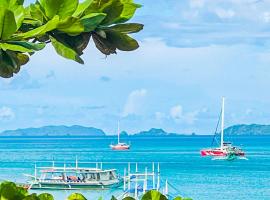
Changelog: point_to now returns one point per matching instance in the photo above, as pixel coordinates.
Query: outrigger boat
(119, 145)
(226, 150)
(72, 178)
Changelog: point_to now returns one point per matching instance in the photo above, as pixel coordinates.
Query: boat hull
(220, 152)
(72, 186)
(120, 147)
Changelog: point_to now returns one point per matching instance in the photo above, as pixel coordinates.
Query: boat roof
(73, 169)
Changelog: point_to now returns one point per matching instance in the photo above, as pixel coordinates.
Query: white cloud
(196, 3)
(160, 116)
(6, 113)
(224, 14)
(134, 102)
(179, 116)
(248, 111)
(266, 17)
(172, 25)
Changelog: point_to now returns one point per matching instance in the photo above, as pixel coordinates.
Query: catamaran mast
(118, 133)
(222, 122)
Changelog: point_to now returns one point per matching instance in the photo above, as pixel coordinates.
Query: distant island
(252, 129)
(76, 130)
(79, 131)
(55, 131)
(154, 132)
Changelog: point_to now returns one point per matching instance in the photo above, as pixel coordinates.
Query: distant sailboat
(119, 145)
(226, 150)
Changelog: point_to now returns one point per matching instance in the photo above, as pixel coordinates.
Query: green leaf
(11, 4)
(113, 198)
(128, 11)
(77, 43)
(63, 8)
(76, 196)
(103, 45)
(35, 13)
(98, 5)
(128, 198)
(127, 28)
(49, 26)
(82, 7)
(45, 196)
(9, 190)
(29, 45)
(153, 195)
(64, 50)
(19, 16)
(122, 41)
(31, 197)
(178, 198)
(91, 21)
(14, 47)
(7, 23)
(113, 11)
(71, 26)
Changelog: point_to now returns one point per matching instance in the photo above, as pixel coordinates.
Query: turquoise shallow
(181, 163)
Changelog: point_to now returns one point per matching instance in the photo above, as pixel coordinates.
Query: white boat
(226, 150)
(71, 178)
(119, 145)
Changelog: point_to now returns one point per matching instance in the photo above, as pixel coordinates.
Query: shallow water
(194, 176)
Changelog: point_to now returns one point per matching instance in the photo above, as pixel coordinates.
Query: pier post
(136, 166)
(136, 188)
(158, 178)
(129, 177)
(154, 176)
(145, 181)
(65, 174)
(124, 179)
(166, 188)
(35, 172)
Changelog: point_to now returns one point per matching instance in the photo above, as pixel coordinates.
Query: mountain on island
(244, 129)
(55, 131)
(155, 132)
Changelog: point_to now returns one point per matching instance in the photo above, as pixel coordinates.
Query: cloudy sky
(192, 53)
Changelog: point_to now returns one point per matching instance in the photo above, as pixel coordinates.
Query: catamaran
(226, 149)
(72, 178)
(119, 145)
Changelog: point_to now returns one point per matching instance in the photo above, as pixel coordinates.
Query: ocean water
(180, 161)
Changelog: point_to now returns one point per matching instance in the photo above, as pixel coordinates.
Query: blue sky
(192, 53)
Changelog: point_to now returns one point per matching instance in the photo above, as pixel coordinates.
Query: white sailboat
(119, 145)
(226, 150)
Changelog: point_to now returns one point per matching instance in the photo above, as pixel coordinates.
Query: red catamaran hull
(216, 152)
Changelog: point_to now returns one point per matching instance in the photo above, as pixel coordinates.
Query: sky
(192, 52)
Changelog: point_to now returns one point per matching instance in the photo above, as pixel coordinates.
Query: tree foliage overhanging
(68, 25)
(10, 191)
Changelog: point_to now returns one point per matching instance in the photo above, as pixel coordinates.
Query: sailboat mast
(118, 133)
(222, 123)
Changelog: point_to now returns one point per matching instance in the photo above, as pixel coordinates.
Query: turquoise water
(194, 176)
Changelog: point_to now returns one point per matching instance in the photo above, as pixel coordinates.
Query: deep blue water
(194, 176)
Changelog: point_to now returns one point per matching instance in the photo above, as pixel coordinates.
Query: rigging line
(214, 138)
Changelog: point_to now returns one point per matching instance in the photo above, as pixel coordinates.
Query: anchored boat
(66, 178)
(226, 150)
(119, 145)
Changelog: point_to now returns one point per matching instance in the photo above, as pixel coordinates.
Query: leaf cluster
(10, 191)
(68, 25)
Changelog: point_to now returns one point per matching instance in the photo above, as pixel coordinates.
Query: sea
(187, 173)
